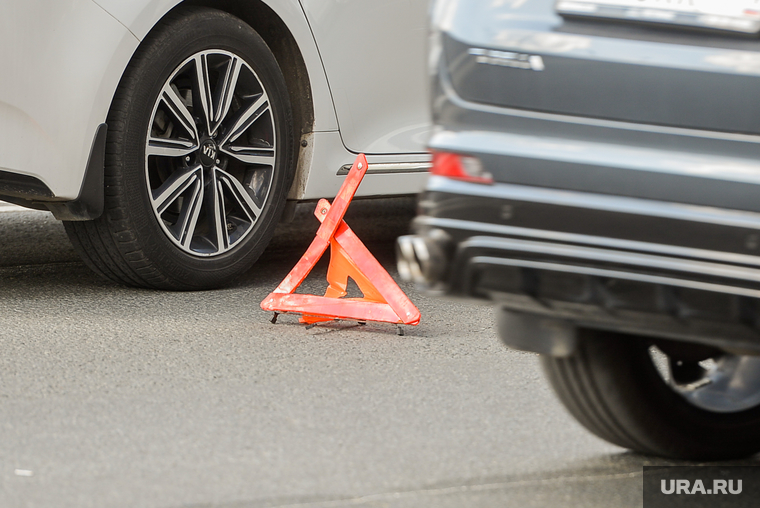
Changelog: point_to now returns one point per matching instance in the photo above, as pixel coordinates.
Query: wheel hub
(727, 383)
(208, 152)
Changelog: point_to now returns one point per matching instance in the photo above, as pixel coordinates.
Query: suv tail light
(461, 167)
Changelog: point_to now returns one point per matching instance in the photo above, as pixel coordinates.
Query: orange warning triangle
(383, 300)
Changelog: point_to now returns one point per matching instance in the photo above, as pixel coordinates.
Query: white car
(169, 135)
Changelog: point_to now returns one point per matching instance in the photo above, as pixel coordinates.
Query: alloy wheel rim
(729, 383)
(210, 153)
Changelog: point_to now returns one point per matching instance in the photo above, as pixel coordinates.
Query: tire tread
(611, 387)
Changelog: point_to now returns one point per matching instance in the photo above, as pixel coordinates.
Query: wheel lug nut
(187, 158)
(218, 161)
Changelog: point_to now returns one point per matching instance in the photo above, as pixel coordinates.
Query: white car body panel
(374, 56)
(141, 15)
(329, 155)
(68, 57)
(61, 63)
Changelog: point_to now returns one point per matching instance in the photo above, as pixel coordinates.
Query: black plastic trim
(538, 334)
(627, 299)
(89, 204)
(23, 187)
(644, 229)
(31, 192)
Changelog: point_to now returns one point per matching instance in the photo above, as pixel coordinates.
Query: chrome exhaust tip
(406, 259)
(422, 259)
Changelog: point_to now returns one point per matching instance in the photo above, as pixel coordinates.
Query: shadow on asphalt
(377, 222)
(35, 250)
(604, 481)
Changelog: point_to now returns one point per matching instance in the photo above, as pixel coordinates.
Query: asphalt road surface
(120, 397)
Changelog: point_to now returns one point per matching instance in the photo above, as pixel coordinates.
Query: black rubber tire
(126, 244)
(612, 387)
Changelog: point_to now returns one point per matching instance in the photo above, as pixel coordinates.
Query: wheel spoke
(221, 230)
(239, 193)
(189, 218)
(174, 186)
(245, 118)
(264, 156)
(177, 107)
(166, 147)
(226, 93)
(216, 212)
(202, 93)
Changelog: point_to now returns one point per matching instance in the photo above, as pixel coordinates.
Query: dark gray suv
(597, 176)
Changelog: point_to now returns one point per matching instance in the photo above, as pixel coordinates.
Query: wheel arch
(283, 26)
(275, 32)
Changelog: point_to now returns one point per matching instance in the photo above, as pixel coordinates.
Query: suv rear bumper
(626, 264)
(612, 209)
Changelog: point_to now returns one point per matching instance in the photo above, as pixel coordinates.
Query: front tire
(200, 155)
(613, 387)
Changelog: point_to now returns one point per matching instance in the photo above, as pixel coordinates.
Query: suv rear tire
(612, 386)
